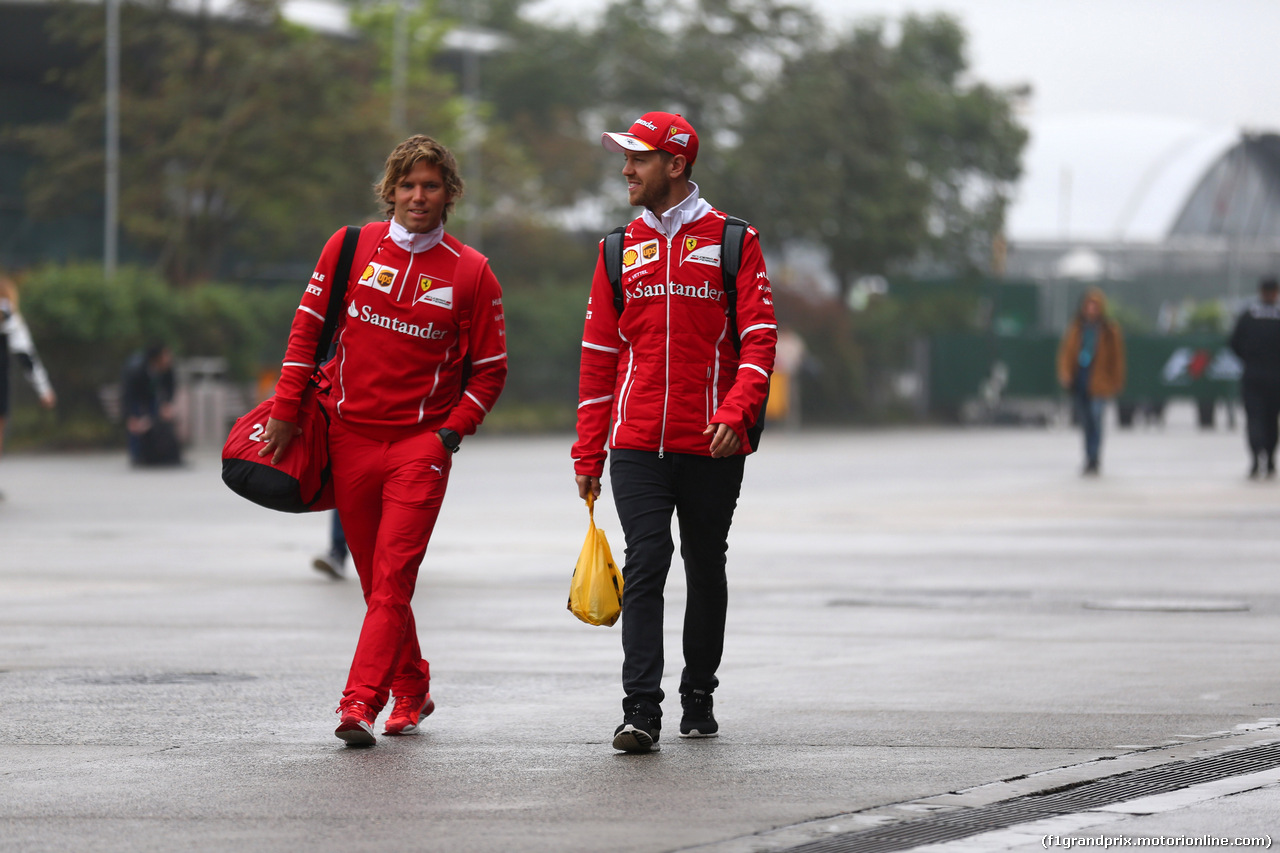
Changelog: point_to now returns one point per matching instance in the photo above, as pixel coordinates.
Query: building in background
(1165, 209)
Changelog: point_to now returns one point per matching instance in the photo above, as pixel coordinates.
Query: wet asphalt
(912, 613)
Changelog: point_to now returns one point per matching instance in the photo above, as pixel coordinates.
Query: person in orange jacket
(1091, 365)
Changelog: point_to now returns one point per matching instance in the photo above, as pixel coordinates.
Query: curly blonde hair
(414, 150)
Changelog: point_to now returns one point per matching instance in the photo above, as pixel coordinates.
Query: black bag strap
(337, 293)
(731, 240)
(613, 264)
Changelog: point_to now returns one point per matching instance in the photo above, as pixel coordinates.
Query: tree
(964, 136)
(243, 139)
(881, 153)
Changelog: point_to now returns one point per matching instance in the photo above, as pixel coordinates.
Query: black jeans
(1261, 412)
(703, 493)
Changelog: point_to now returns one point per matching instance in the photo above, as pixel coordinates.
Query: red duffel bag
(301, 482)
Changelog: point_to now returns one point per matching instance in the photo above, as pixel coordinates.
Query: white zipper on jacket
(666, 388)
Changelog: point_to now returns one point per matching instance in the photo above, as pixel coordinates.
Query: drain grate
(964, 823)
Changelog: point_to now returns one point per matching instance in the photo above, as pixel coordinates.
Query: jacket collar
(414, 243)
(690, 209)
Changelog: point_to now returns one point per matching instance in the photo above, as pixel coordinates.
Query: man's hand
(49, 400)
(278, 435)
(588, 486)
(724, 441)
(137, 424)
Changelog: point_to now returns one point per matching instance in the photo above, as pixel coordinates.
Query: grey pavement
(912, 613)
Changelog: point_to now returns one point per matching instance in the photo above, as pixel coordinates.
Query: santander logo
(428, 332)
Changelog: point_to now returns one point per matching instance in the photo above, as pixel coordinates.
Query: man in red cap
(674, 373)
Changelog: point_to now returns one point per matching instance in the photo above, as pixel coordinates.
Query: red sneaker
(356, 724)
(407, 713)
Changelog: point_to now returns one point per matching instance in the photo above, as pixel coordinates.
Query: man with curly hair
(420, 358)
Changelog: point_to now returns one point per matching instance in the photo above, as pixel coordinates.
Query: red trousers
(388, 495)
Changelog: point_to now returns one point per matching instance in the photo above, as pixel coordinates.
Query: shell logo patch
(379, 277)
(638, 256)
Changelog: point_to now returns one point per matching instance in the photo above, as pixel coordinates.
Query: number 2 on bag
(595, 592)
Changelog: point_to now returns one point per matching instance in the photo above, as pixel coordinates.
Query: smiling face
(655, 179)
(420, 198)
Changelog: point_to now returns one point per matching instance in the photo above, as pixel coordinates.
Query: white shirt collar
(690, 209)
(412, 242)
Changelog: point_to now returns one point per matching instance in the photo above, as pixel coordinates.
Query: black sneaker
(638, 732)
(697, 721)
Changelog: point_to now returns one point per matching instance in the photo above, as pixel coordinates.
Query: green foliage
(545, 277)
(878, 151)
(242, 141)
(1129, 318)
(1209, 316)
(85, 329)
(854, 355)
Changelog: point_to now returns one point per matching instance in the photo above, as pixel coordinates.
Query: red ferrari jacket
(398, 365)
(667, 368)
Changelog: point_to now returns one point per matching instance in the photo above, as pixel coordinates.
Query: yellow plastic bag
(595, 593)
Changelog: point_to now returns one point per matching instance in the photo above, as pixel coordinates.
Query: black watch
(451, 439)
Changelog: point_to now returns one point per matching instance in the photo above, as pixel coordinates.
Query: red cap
(661, 131)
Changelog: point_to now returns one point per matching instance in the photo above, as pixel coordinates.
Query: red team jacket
(398, 366)
(667, 368)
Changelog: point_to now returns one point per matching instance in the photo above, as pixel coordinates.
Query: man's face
(648, 179)
(420, 198)
(1092, 310)
(1269, 295)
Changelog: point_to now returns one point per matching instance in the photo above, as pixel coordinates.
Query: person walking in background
(334, 561)
(668, 372)
(15, 340)
(1091, 365)
(421, 310)
(1256, 341)
(147, 389)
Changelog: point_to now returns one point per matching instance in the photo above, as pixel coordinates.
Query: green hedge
(85, 328)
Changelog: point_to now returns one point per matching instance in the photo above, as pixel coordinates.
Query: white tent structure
(1116, 196)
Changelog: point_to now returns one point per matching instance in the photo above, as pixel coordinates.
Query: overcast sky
(1214, 61)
